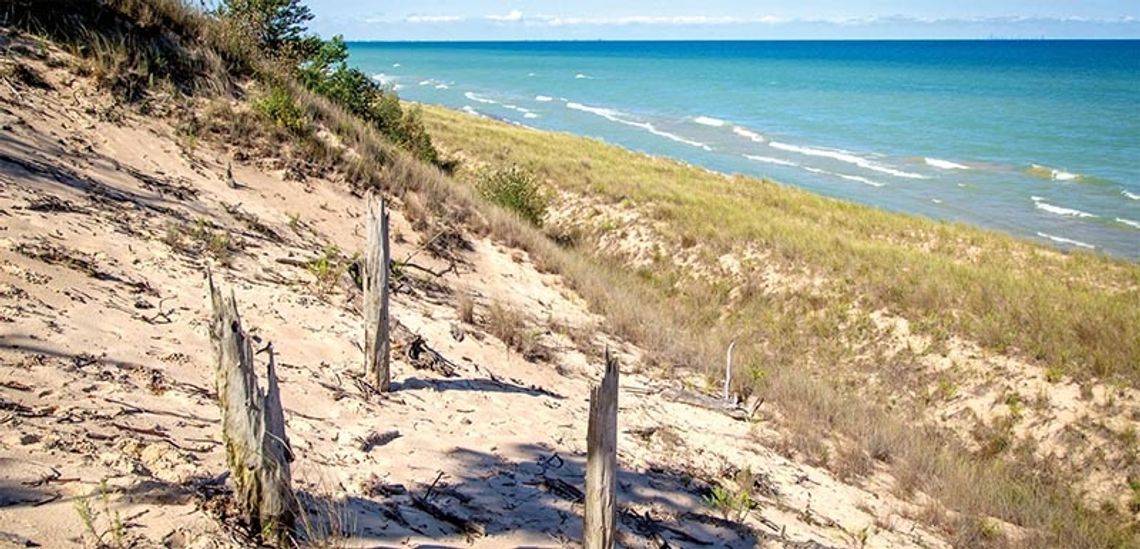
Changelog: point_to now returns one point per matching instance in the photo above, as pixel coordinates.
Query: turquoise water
(1036, 138)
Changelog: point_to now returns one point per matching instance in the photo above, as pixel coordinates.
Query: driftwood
(377, 260)
(601, 461)
(253, 425)
(423, 357)
(698, 400)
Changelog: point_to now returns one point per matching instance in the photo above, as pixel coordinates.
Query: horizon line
(727, 40)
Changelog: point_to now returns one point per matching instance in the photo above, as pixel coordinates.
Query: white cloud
(655, 20)
(433, 18)
(514, 15)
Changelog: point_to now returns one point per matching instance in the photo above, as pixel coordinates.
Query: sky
(723, 19)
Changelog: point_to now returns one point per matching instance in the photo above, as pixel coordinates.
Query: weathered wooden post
(728, 370)
(377, 345)
(601, 461)
(253, 425)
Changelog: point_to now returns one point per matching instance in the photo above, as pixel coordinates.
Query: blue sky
(723, 19)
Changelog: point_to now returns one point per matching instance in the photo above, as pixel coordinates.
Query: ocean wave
(1058, 210)
(543, 98)
(1046, 172)
(855, 178)
(944, 164)
(770, 160)
(530, 115)
(1064, 240)
(1132, 196)
(936, 200)
(581, 76)
(426, 82)
(395, 65)
(710, 121)
(480, 99)
(616, 116)
(845, 156)
(1129, 222)
(471, 110)
(442, 87)
(748, 134)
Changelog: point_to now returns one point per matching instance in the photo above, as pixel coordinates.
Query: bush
(515, 189)
(278, 105)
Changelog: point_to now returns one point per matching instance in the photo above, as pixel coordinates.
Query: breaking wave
(1064, 240)
(847, 157)
(616, 116)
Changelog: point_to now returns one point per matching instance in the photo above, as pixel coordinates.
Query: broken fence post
(728, 370)
(601, 461)
(377, 344)
(253, 425)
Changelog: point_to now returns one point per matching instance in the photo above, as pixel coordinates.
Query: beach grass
(1076, 311)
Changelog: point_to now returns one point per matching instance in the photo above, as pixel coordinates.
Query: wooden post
(728, 370)
(253, 425)
(601, 461)
(377, 344)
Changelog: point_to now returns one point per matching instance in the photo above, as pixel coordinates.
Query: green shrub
(515, 189)
(278, 105)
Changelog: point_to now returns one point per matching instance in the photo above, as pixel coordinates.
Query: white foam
(530, 74)
(1066, 241)
(1058, 210)
(710, 121)
(844, 156)
(856, 178)
(935, 200)
(945, 164)
(543, 98)
(616, 116)
(530, 115)
(748, 134)
(397, 87)
(1055, 174)
(384, 78)
(471, 110)
(395, 65)
(442, 87)
(425, 82)
(1129, 222)
(1133, 196)
(581, 76)
(770, 160)
(480, 99)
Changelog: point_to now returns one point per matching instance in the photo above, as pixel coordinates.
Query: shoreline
(1037, 239)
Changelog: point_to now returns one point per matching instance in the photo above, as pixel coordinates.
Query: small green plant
(1016, 405)
(515, 189)
(947, 388)
(731, 504)
(295, 221)
(200, 239)
(278, 105)
(102, 523)
(1054, 374)
(328, 268)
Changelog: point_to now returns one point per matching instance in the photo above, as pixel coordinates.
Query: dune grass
(1076, 311)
